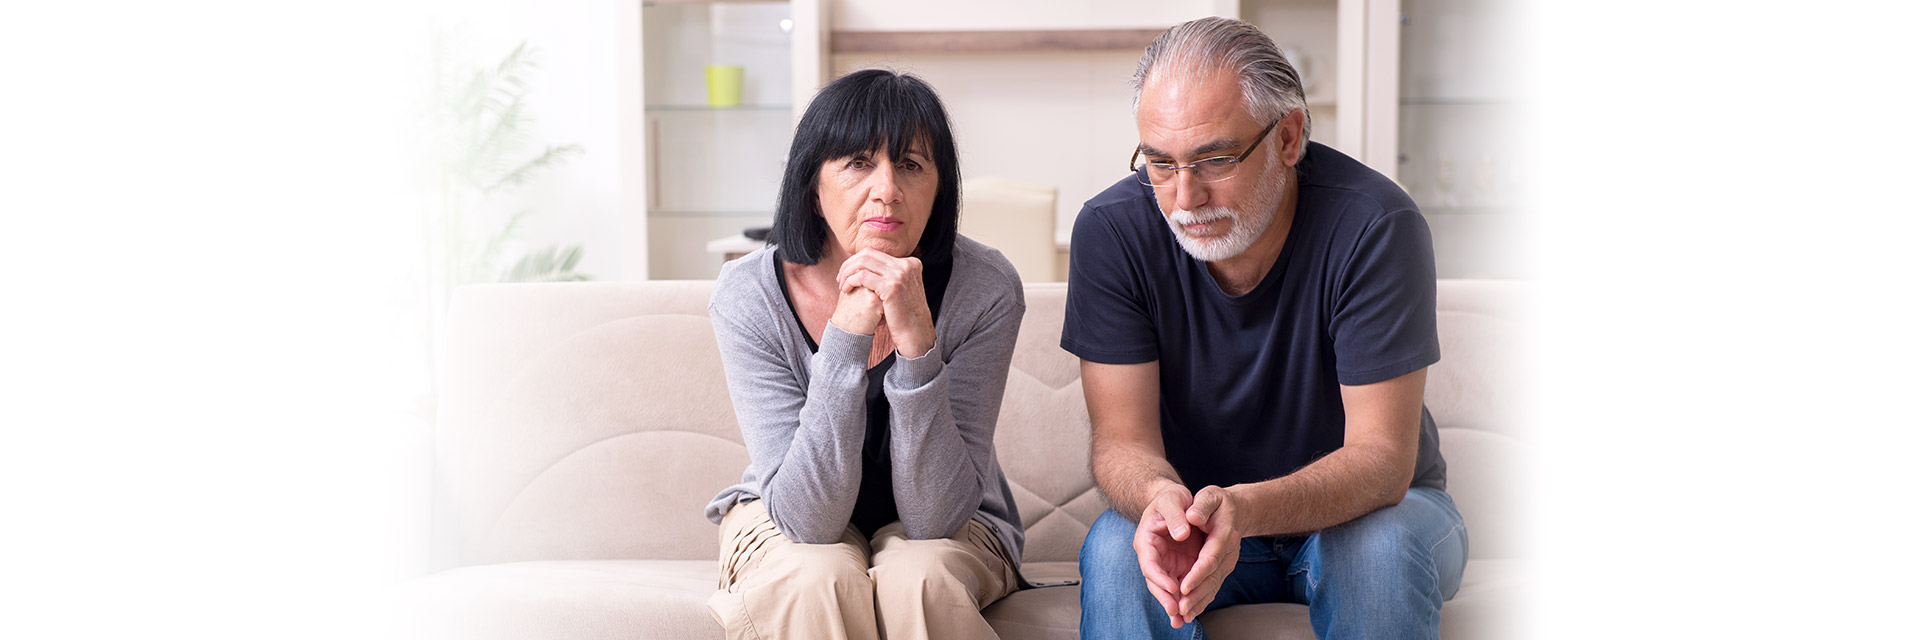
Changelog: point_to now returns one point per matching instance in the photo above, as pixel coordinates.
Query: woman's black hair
(856, 114)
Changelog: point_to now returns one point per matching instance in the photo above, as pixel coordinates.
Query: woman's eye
(910, 166)
(857, 163)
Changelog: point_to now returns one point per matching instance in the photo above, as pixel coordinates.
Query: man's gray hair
(1196, 50)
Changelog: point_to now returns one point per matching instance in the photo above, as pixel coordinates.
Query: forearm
(936, 481)
(812, 493)
(1337, 488)
(1130, 476)
(943, 449)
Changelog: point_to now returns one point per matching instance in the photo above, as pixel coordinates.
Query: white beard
(1247, 225)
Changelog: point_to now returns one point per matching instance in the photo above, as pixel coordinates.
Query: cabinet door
(1459, 108)
(718, 90)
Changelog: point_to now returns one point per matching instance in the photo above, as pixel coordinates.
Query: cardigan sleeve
(943, 413)
(813, 435)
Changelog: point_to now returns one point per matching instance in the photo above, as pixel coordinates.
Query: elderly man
(1254, 315)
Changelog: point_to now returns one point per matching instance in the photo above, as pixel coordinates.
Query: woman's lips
(883, 223)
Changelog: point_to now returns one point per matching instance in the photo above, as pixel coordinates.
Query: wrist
(912, 347)
(853, 325)
(912, 333)
(1159, 485)
(1232, 499)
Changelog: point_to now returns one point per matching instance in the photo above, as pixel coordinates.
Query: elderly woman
(866, 349)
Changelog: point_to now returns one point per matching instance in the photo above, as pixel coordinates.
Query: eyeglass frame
(1195, 165)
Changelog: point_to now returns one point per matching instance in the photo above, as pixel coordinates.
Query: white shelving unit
(1457, 155)
(692, 171)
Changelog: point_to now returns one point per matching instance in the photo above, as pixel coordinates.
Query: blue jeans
(1383, 575)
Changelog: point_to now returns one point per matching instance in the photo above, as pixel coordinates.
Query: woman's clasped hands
(882, 296)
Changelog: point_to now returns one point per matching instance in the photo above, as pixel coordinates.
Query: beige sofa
(585, 425)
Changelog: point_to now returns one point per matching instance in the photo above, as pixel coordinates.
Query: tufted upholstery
(585, 427)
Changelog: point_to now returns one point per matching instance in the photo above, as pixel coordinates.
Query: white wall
(1062, 119)
(573, 99)
(576, 101)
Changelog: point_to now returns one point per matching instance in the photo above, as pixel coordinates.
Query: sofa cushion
(1042, 436)
(564, 600)
(589, 600)
(582, 421)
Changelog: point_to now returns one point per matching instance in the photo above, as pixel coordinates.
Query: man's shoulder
(1336, 183)
(1123, 217)
(1124, 193)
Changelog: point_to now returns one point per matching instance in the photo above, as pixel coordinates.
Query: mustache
(1199, 216)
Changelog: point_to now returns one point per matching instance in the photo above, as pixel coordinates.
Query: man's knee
(1108, 549)
(1388, 551)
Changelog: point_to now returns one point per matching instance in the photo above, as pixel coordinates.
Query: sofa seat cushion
(573, 599)
(594, 599)
(1482, 608)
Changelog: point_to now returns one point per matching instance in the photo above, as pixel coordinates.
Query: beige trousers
(899, 589)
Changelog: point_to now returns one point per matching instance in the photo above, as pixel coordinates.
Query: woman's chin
(886, 246)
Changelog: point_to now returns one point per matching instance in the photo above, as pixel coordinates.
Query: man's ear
(1293, 146)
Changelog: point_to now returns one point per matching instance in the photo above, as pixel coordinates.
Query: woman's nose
(885, 184)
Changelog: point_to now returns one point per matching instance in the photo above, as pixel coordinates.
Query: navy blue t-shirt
(1250, 385)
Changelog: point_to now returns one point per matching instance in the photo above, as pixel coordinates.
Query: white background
(205, 230)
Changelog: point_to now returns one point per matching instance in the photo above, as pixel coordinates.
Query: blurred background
(230, 231)
(1427, 91)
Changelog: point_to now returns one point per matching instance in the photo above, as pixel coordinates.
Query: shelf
(995, 41)
(699, 108)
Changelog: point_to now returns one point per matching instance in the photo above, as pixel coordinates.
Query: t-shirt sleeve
(1107, 319)
(1383, 323)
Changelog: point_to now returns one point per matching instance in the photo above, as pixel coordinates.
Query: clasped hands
(878, 290)
(1187, 544)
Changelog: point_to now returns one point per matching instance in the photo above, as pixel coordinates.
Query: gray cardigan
(803, 414)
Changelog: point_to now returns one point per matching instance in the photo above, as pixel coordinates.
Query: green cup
(723, 84)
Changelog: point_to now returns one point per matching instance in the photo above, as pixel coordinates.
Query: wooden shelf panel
(992, 41)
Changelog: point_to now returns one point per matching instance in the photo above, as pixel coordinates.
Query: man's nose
(1189, 193)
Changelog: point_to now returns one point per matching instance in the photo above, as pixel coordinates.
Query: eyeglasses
(1214, 169)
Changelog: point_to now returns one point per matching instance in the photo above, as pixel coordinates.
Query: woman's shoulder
(983, 274)
(982, 262)
(745, 282)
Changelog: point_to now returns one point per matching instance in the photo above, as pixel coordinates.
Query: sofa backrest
(592, 421)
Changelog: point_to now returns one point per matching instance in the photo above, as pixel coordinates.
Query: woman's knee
(927, 566)
(805, 571)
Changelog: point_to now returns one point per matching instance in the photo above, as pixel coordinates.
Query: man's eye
(1162, 166)
(1217, 162)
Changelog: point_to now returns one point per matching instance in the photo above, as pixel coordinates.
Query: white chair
(1014, 217)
